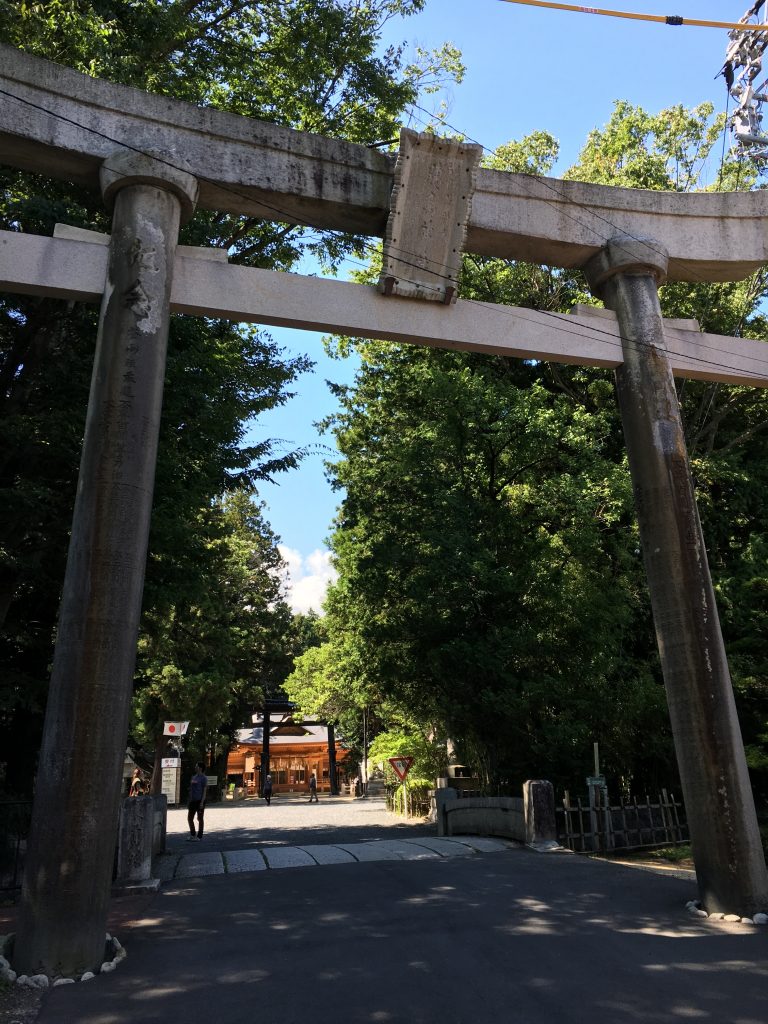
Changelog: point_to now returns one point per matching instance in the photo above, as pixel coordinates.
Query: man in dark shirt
(196, 806)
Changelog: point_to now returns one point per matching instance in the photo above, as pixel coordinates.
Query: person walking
(268, 789)
(198, 786)
(312, 788)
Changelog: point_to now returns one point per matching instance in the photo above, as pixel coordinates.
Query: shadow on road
(514, 937)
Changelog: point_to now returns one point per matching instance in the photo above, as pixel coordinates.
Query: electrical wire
(669, 19)
(548, 313)
(565, 212)
(593, 332)
(283, 216)
(725, 136)
(548, 183)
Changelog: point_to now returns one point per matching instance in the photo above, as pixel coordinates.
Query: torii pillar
(65, 897)
(727, 851)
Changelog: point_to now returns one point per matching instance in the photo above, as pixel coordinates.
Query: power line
(552, 187)
(549, 183)
(284, 216)
(669, 19)
(593, 331)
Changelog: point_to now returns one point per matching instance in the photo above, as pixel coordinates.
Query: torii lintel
(58, 122)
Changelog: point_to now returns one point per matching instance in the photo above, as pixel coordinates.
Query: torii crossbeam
(73, 265)
(154, 160)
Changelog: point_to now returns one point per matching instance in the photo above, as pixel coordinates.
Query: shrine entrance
(155, 161)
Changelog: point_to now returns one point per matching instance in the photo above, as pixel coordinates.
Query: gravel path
(292, 821)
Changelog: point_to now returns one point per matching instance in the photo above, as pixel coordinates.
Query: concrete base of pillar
(135, 888)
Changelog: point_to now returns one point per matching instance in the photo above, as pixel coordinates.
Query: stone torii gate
(155, 160)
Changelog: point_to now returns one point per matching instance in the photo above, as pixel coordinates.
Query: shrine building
(294, 750)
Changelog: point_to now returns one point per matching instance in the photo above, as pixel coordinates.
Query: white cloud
(307, 578)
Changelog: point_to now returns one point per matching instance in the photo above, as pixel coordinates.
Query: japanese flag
(175, 728)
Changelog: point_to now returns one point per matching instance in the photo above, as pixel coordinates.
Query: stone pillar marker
(539, 814)
(730, 865)
(65, 898)
(141, 835)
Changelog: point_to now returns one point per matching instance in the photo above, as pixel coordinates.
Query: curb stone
(42, 981)
(694, 907)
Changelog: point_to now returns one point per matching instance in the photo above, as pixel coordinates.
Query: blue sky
(527, 69)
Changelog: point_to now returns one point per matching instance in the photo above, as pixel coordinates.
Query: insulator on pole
(743, 66)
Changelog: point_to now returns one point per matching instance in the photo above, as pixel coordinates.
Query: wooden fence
(595, 827)
(417, 803)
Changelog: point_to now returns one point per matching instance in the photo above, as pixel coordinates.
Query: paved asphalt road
(513, 936)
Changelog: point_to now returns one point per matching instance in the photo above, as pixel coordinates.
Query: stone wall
(529, 819)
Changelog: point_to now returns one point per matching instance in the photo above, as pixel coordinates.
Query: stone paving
(291, 833)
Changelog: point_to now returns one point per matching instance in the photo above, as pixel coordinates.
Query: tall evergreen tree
(308, 64)
(490, 577)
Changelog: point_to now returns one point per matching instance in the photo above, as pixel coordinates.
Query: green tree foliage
(213, 654)
(677, 149)
(487, 557)
(308, 64)
(490, 576)
(327, 681)
(331, 687)
(408, 740)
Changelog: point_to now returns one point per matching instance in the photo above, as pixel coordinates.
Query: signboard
(175, 728)
(171, 779)
(401, 766)
(170, 762)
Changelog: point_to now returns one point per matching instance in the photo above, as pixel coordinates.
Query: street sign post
(401, 766)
